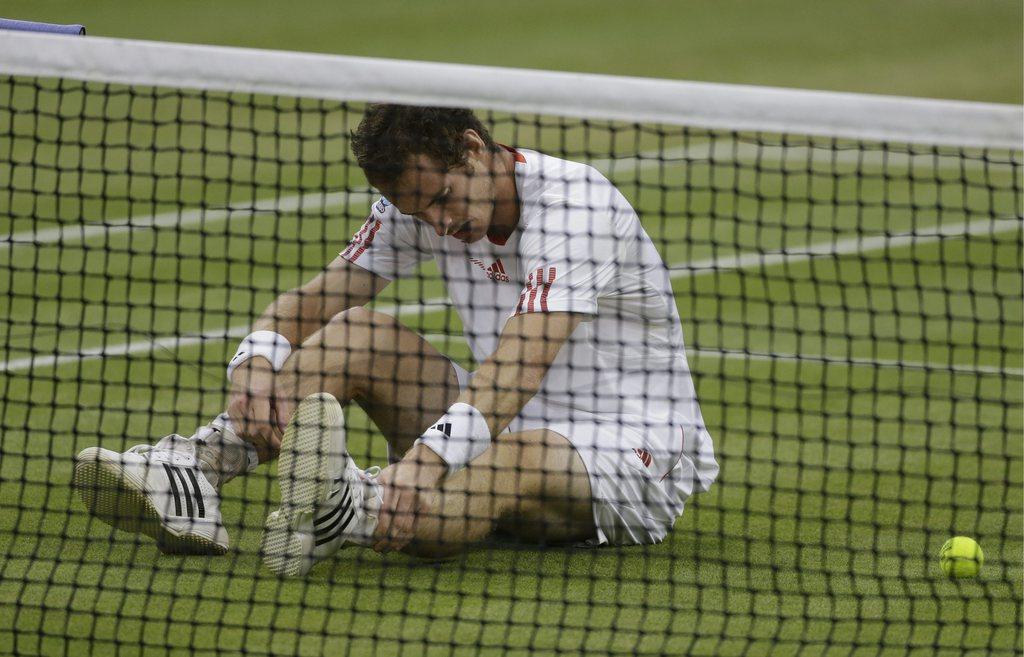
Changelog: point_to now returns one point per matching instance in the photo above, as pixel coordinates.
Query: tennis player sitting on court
(579, 425)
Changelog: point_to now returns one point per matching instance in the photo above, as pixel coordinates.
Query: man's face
(458, 203)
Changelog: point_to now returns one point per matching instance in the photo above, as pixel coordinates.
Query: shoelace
(189, 449)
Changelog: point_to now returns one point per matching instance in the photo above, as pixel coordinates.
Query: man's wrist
(431, 465)
(274, 347)
(458, 436)
(252, 368)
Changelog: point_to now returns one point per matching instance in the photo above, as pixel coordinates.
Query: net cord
(588, 96)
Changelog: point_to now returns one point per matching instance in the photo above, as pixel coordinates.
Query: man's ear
(473, 140)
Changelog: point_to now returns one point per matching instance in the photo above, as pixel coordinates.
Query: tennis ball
(960, 557)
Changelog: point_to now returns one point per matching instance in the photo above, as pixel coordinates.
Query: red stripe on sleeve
(366, 244)
(356, 239)
(533, 288)
(547, 288)
(522, 296)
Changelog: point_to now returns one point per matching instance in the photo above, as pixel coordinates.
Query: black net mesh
(852, 317)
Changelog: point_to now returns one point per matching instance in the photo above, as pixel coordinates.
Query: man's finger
(386, 542)
(257, 435)
(401, 526)
(261, 413)
(384, 519)
(265, 413)
(283, 409)
(236, 412)
(409, 518)
(399, 532)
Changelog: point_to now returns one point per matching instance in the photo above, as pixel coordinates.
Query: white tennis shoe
(157, 490)
(327, 503)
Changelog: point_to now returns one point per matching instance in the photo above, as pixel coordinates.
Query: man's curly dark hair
(389, 135)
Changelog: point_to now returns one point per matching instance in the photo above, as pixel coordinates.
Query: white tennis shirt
(579, 247)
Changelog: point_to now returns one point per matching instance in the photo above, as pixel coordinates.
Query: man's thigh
(408, 383)
(549, 488)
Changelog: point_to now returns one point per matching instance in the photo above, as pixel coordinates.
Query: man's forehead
(421, 177)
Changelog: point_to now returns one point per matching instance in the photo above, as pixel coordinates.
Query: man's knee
(344, 344)
(355, 326)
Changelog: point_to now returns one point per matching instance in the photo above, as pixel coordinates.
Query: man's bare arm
(513, 374)
(296, 315)
(299, 313)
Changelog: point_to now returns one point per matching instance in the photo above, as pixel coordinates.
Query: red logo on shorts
(644, 456)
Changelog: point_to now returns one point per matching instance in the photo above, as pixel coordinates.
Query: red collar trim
(495, 239)
(519, 157)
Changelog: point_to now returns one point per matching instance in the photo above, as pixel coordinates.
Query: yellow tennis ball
(961, 556)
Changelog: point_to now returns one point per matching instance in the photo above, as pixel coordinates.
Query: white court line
(797, 157)
(847, 246)
(181, 219)
(737, 354)
(856, 361)
(691, 270)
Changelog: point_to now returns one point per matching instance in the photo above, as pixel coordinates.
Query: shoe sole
(302, 476)
(110, 497)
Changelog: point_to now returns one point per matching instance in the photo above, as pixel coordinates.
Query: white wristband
(268, 344)
(458, 437)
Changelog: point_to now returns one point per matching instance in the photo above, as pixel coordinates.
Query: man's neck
(506, 208)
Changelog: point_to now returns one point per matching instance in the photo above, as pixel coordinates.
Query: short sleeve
(386, 244)
(568, 257)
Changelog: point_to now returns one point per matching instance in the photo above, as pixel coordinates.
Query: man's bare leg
(327, 500)
(532, 484)
(400, 380)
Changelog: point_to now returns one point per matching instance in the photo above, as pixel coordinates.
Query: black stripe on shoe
(318, 523)
(185, 492)
(327, 532)
(334, 517)
(200, 507)
(346, 519)
(174, 489)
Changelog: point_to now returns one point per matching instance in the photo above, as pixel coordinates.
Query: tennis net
(846, 268)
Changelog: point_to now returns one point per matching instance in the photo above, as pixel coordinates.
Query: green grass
(842, 474)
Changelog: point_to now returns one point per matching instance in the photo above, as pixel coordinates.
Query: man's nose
(442, 224)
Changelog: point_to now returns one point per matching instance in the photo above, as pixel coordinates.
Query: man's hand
(406, 485)
(251, 406)
(287, 395)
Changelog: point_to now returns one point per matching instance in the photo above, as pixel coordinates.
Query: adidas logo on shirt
(495, 272)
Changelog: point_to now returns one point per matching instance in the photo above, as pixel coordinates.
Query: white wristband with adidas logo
(458, 437)
(268, 344)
